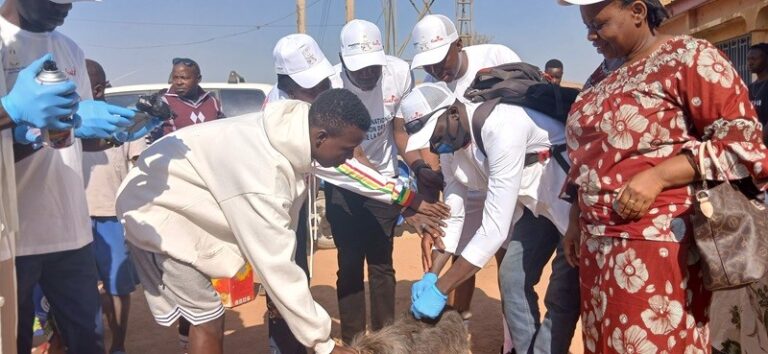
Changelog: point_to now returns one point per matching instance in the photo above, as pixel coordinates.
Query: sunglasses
(415, 125)
(185, 61)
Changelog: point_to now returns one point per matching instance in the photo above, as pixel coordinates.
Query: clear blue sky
(135, 40)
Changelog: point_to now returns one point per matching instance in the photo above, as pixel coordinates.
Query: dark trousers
(69, 282)
(281, 339)
(362, 230)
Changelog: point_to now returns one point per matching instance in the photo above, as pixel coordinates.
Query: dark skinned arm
(460, 271)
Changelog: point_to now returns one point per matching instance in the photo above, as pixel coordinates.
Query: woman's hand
(572, 244)
(636, 196)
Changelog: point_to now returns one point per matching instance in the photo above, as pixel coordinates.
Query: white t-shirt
(53, 213)
(104, 171)
(382, 103)
(508, 134)
(479, 56)
(9, 217)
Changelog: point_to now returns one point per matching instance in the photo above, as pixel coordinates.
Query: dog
(445, 335)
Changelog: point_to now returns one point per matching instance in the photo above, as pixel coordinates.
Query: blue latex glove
(429, 304)
(25, 135)
(37, 105)
(142, 125)
(99, 119)
(418, 287)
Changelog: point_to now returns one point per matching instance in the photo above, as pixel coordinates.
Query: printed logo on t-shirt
(391, 99)
(378, 127)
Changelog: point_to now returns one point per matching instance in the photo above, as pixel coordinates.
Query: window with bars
(736, 49)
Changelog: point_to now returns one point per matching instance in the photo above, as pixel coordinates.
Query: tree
(479, 38)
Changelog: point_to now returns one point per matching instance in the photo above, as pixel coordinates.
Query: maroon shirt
(205, 109)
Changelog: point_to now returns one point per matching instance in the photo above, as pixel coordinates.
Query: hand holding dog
(429, 304)
(429, 279)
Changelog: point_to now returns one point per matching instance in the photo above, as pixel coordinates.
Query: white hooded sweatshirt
(210, 193)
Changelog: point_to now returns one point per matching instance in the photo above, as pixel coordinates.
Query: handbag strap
(705, 148)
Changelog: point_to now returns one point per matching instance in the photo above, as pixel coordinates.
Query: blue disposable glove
(100, 120)
(430, 303)
(142, 125)
(418, 287)
(37, 105)
(25, 135)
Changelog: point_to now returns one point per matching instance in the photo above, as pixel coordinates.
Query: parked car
(236, 99)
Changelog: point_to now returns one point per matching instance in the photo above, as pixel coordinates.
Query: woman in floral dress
(633, 139)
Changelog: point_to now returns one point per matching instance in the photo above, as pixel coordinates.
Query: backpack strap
(557, 153)
(478, 120)
(558, 100)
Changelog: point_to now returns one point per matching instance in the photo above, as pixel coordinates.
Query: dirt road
(246, 330)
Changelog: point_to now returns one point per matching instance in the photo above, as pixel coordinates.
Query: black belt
(543, 155)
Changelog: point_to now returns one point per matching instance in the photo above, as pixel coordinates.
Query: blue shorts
(113, 260)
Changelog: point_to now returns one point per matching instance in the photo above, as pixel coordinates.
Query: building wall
(719, 20)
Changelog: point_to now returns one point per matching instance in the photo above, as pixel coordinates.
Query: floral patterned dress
(641, 289)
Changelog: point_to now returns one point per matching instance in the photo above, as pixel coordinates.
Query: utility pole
(301, 16)
(350, 10)
(390, 35)
(464, 20)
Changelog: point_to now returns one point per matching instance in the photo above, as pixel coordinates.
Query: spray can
(56, 139)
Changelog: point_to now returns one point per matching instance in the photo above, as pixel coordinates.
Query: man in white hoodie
(193, 212)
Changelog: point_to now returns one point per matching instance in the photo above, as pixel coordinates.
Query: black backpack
(519, 84)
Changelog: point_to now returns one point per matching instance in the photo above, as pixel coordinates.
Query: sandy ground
(246, 330)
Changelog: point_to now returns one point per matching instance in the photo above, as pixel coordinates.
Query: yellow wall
(719, 20)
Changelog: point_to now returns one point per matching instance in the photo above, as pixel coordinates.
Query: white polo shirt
(382, 102)
(53, 213)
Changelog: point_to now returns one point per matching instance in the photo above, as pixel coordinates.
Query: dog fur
(446, 335)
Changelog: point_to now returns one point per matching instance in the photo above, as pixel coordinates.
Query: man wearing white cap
(440, 52)
(363, 220)
(54, 241)
(303, 72)
(517, 172)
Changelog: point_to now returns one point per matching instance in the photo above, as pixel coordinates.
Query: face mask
(449, 143)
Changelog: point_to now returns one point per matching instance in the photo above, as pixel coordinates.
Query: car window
(127, 99)
(235, 102)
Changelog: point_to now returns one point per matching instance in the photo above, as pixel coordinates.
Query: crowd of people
(165, 204)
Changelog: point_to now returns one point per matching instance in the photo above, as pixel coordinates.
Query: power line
(324, 20)
(177, 24)
(229, 35)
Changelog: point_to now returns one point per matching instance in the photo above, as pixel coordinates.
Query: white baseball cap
(69, 1)
(298, 56)
(432, 37)
(426, 99)
(361, 45)
(578, 2)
